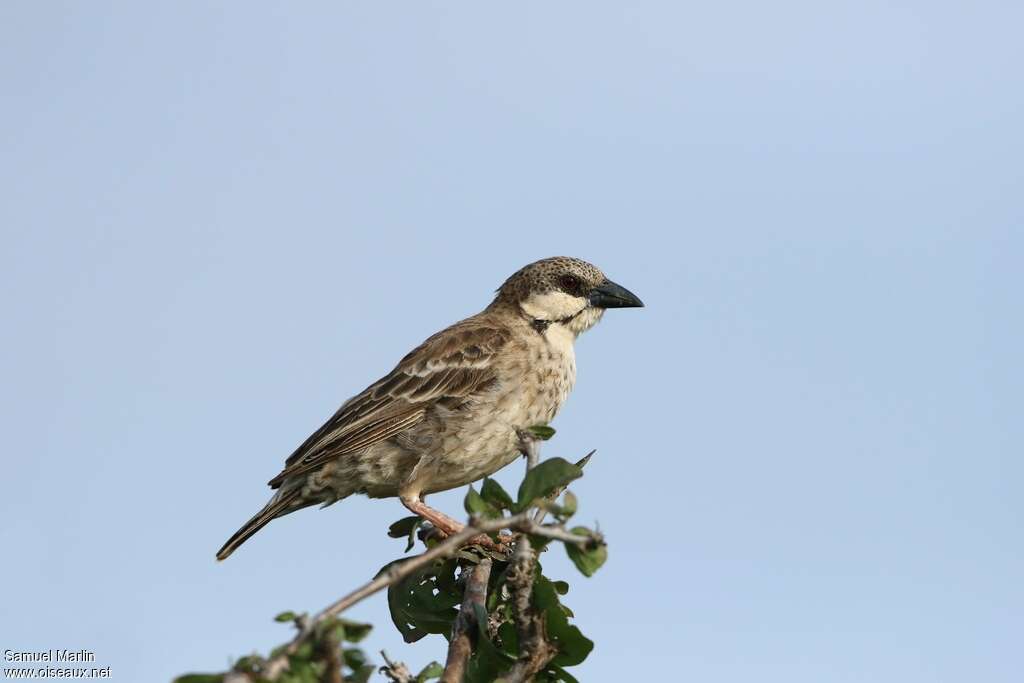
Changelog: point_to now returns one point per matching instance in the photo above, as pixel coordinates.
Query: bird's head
(565, 291)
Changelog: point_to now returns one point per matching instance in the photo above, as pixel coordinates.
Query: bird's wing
(455, 363)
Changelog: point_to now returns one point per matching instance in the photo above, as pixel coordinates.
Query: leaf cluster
(427, 602)
(317, 658)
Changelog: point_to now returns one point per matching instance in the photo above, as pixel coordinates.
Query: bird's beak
(610, 295)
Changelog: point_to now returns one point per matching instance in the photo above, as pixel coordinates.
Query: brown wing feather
(454, 363)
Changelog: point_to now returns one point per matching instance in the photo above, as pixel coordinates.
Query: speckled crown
(549, 274)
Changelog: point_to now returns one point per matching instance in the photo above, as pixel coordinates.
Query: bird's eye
(570, 283)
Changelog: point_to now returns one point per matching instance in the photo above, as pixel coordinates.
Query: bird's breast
(545, 377)
(534, 381)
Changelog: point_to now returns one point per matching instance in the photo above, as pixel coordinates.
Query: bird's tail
(280, 504)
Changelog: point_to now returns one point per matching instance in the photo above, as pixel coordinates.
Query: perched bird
(452, 411)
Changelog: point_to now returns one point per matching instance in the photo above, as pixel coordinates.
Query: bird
(453, 410)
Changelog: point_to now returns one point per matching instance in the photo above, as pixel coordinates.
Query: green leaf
(406, 527)
(569, 504)
(542, 432)
(303, 651)
(494, 494)
(487, 660)
(476, 505)
(447, 580)
(354, 658)
(562, 511)
(544, 479)
(284, 617)
(561, 586)
(199, 678)
(362, 674)
(354, 630)
(509, 638)
(561, 675)
(545, 596)
(300, 671)
(573, 646)
(587, 559)
(573, 649)
(402, 527)
(432, 670)
(251, 663)
(582, 462)
(410, 633)
(420, 604)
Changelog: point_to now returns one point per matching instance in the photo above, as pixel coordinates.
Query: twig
(396, 672)
(534, 649)
(461, 646)
(557, 533)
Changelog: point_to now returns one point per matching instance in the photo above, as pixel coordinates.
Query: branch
(474, 593)
(557, 533)
(534, 649)
(395, 574)
(332, 653)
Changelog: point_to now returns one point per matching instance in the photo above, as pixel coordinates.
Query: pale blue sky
(220, 221)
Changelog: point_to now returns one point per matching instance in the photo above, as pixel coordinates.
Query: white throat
(583, 321)
(564, 313)
(552, 306)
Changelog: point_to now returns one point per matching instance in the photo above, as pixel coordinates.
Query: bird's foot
(447, 526)
(503, 545)
(442, 522)
(529, 447)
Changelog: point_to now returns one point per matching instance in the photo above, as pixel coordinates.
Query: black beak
(610, 295)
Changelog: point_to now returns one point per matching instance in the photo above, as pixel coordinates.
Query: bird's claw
(502, 545)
